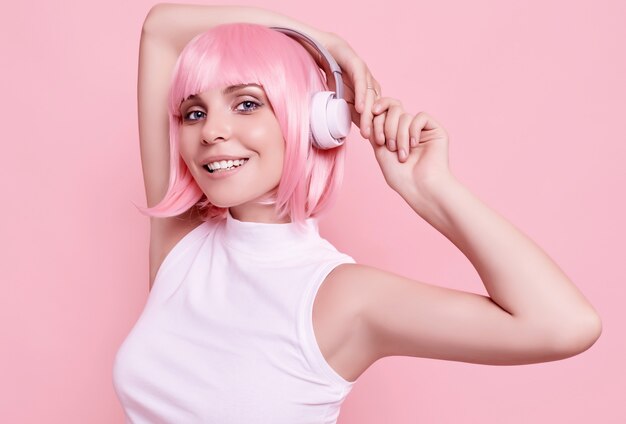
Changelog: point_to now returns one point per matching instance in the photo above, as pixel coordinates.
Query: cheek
(185, 140)
(260, 133)
(185, 156)
(266, 130)
(183, 153)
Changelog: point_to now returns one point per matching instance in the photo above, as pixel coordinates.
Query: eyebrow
(225, 91)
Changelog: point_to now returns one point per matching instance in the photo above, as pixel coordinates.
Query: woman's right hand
(412, 150)
(357, 77)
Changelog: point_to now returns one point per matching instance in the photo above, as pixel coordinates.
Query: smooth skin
(534, 313)
(242, 123)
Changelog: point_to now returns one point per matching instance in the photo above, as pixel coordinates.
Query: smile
(226, 171)
(224, 165)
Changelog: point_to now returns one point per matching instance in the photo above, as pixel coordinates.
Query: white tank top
(226, 335)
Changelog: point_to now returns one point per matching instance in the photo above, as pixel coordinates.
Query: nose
(216, 126)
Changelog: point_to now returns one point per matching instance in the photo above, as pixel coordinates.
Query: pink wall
(532, 94)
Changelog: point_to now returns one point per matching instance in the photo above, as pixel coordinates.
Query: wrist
(426, 197)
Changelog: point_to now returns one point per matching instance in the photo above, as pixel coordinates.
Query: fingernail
(413, 142)
(392, 144)
(402, 154)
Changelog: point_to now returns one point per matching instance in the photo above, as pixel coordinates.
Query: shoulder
(344, 298)
(379, 309)
(343, 284)
(339, 330)
(165, 233)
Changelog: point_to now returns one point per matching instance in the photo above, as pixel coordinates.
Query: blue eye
(250, 102)
(186, 116)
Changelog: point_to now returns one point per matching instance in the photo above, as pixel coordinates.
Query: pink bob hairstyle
(242, 53)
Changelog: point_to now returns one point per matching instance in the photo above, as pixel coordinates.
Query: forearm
(179, 23)
(518, 275)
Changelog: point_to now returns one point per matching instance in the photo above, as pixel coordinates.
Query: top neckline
(266, 239)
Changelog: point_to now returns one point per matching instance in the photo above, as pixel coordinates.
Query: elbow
(580, 336)
(152, 17)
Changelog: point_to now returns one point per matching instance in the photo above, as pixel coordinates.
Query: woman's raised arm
(179, 23)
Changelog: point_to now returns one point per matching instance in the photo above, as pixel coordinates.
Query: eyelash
(256, 106)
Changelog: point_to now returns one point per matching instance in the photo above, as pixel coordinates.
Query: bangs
(225, 59)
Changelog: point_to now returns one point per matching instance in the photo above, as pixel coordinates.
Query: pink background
(533, 95)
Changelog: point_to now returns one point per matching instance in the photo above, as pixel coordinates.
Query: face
(234, 121)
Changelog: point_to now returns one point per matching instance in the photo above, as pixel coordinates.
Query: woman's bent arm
(519, 276)
(534, 312)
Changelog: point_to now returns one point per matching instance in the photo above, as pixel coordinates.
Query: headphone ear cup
(330, 120)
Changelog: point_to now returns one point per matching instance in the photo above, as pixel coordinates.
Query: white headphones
(330, 115)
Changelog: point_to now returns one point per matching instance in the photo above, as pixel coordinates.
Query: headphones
(330, 115)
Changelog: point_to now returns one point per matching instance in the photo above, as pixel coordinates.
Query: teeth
(225, 164)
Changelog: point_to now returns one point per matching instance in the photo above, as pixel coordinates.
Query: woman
(253, 317)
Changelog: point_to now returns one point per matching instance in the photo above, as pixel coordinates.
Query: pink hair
(242, 53)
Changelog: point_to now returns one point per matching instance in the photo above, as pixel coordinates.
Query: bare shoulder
(338, 329)
(165, 233)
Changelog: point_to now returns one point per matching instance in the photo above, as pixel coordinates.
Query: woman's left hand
(361, 88)
(425, 162)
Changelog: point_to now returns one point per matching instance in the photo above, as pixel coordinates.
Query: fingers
(398, 129)
(366, 114)
(426, 122)
(385, 129)
(389, 132)
(366, 91)
(359, 78)
(363, 78)
(384, 103)
(403, 141)
(354, 115)
(377, 134)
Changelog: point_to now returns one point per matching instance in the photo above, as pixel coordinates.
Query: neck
(257, 213)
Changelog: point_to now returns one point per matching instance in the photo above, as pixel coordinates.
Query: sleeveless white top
(226, 335)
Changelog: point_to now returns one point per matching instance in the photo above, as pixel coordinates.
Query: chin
(228, 198)
(222, 203)
(226, 201)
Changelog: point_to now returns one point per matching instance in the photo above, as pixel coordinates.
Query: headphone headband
(330, 114)
(334, 67)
